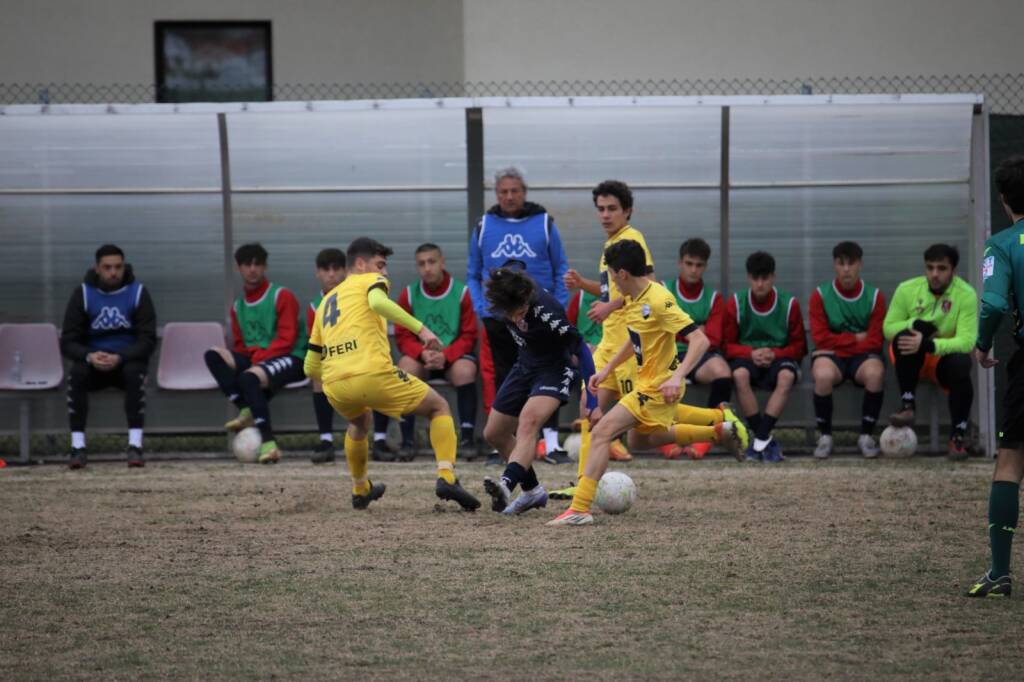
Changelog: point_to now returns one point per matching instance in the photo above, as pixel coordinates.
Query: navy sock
(720, 392)
(764, 429)
(380, 422)
(408, 429)
(514, 475)
(1003, 511)
(324, 413)
(226, 378)
(530, 480)
(869, 411)
(823, 413)
(465, 398)
(252, 392)
(754, 421)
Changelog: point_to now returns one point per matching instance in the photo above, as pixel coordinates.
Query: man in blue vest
(514, 229)
(109, 332)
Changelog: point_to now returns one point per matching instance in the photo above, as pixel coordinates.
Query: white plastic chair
(30, 361)
(182, 367)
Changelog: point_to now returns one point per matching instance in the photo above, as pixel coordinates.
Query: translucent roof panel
(109, 152)
(173, 242)
(409, 148)
(639, 145)
(294, 227)
(799, 227)
(855, 143)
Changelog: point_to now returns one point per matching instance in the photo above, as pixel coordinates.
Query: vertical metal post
(24, 432)
(981, 229)
(723, 204)
(225, 193)
(474, 166)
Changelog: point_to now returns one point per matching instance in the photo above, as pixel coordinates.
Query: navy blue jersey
(545, 336)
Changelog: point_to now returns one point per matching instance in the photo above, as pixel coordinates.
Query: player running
(653, 319)
(552, 354)
(350, 354)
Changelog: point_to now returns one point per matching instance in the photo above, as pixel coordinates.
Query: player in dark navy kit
(1002, 273)
(108, 335)
(552, 356)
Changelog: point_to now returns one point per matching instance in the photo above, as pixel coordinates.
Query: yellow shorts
(393, 393)
(623, 380)
(650, 410)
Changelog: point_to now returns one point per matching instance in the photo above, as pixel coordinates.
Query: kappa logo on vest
(513, 246)
(110, 318)
(439, 325)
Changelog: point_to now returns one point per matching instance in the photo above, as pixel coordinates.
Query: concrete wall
(641, 39)
(314, 41)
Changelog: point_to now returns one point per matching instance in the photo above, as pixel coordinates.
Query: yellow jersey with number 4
(652, 321)
(353, 339)
(613, 331)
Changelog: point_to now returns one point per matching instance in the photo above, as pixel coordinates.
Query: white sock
(550, 440)
(377, 435)
(329, 437)
(760, 444)
(135, 438)
(77, 439)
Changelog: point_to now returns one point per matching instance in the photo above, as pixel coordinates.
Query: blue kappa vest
(110, 316)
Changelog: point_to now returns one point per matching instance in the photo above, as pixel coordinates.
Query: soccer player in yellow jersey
(350, 354)
(653, 318)
(614, 202)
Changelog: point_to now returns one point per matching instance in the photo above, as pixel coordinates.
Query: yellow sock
(584, 497)
(444, 443)
(699, 416)
(581, 459)
(357, 452)
(687, 433)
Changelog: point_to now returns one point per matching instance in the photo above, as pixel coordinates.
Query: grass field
(806, 570)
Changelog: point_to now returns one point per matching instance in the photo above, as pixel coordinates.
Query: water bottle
(16, 368)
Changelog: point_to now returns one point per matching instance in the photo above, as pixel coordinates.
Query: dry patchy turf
(219, 570)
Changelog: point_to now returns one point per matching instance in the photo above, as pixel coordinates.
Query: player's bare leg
(444, 443)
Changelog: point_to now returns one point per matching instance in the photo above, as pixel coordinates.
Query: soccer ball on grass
(246, 444)
(616, 493)
(898, 441)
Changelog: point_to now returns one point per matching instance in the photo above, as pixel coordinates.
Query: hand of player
(909, 343)
(670, 390)
(600, 310)
(596, 381)
(762, 357)
(594, 416)
(429, 339)
(435, 359)
(984, 360)
(572, 279)
(860, 336)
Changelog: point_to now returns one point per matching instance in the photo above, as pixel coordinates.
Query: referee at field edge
(1002, 269)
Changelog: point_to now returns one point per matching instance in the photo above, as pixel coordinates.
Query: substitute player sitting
(652, 320)
(350, 354)
(330, 272)
(552, 354)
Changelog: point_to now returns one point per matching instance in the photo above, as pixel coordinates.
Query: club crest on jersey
(947, 305)
(645, 311)
(110, 318)
(988, 267)
(513, 246)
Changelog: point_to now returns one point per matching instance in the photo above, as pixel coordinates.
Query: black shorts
(1011, 435)
(521, 384)
(848, 367)
(435, 374)
(692, 376)
(281, 371)
(766, 378)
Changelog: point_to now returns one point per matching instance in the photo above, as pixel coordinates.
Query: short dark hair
(617, 189)
(109, 250)
(626, 255)
(760, 264)
(364, 247)
(251, 253)
(428, 246)
(850, 251)
(937, 252)
(508, 290)
(696, 247)
(328, 257)
(1009, 177)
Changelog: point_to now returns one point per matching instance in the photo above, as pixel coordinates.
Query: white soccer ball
(616, 493)
(898, 441)
(572, 445)
(246, 444)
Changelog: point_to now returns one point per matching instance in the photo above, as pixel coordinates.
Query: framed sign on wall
(213, 61)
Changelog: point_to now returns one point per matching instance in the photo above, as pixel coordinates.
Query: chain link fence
(1003, 92)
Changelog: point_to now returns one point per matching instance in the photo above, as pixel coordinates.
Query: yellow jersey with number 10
(613, 331)
(652, 321)
(353, 338)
